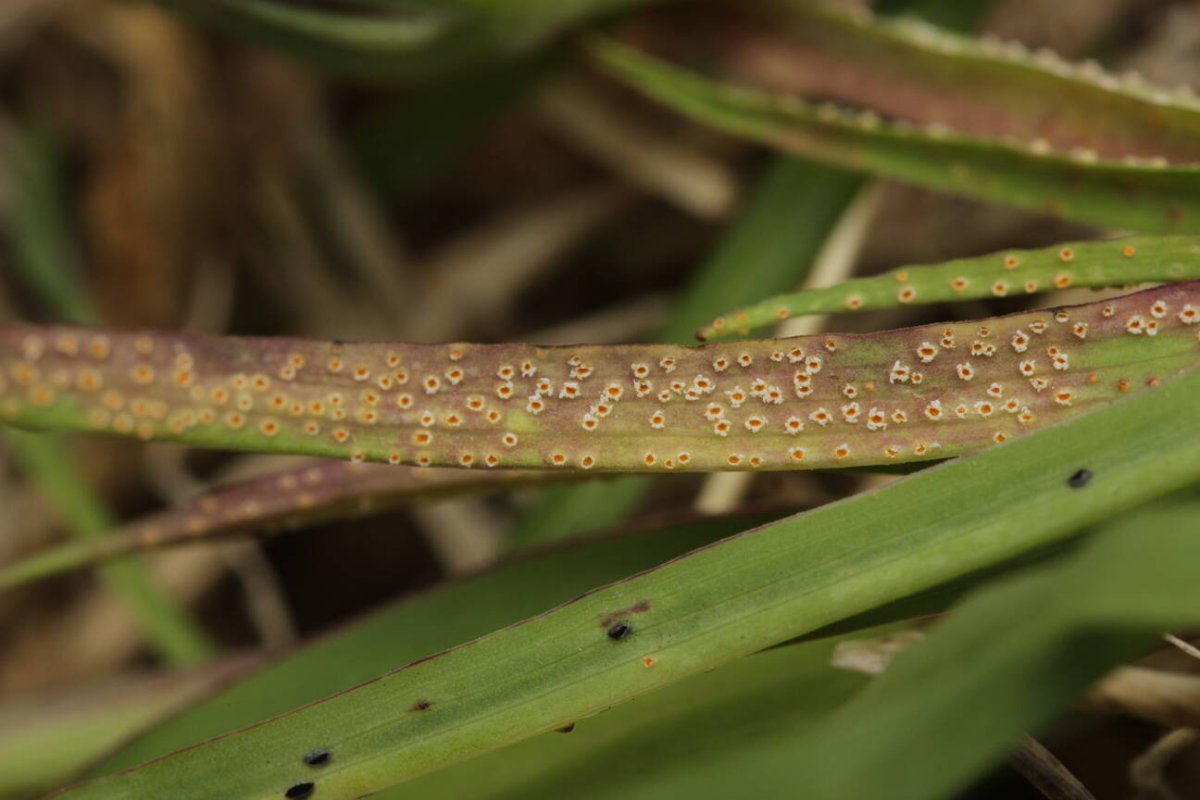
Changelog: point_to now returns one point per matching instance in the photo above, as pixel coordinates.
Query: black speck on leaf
(1080, 478)
(317, 758)
(421, 705)
(300, 790)
(619, 631)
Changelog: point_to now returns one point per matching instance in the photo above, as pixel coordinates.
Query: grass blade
(1121, 262)
(283, 501)
(425, 623)
(832, 400)
(1079, 618)
(1138, 196)
(704, 609)
(981, 87)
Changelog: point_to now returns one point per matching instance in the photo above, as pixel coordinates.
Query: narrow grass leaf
(1138, 196)
(1079, 617)
(819, 401)
(424, 624)
(1119, 262)
(981, 87)
(305, 495)
(704, 609)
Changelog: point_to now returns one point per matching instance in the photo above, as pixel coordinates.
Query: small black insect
(619, 631)
(318, 758)
(1080, 478)
(300, 790)
(566, 728)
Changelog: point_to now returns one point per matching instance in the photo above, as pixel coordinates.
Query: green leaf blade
(1120, 262)
(705, 609)
(1137, 196)
(833, 400)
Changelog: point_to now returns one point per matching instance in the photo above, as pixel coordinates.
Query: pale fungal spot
(1038, 327)
(720, 364)
(927, 352)
(1108, 311)
(850, 391)
(876, 420)
(667, 364)
(959, 284)
(1128, 251)
(1011, 262)
(841, 451)
(965, 371)
(505, 372)
(658, 420)
(67, 344)
(535, 405)
(1080, 330)
(821, 416)
(1062, 280)
(1152, 328)
(934, 409)
(509, 439)
(721, 427)
(793, 425)
(854, 302)
(1189, 314)
(797, 453)
(999, 289)
(996, 390)
(587, 462)
(99, 347)
(432, 383)
(1158, 310)
(1062, 362)
(900, 373)
(744, 360)
(1066, 254)
(907, 294)
(143, 374)
(1136, 325)
(589, 422)
(1063, 397)
(568, 391)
